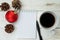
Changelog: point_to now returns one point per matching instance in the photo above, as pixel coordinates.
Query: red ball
(11, 16)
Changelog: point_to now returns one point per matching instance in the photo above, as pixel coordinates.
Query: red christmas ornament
(11, 16)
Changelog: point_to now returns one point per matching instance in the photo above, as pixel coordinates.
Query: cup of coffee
(48, 20)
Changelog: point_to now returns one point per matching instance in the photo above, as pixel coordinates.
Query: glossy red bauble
(11, 16)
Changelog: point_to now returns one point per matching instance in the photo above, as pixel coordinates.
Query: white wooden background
(37, 5)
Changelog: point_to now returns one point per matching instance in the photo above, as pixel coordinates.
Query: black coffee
(47, 20)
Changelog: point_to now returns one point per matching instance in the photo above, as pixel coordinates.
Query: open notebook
(25, 27)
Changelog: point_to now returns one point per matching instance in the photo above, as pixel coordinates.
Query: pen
(38, 29)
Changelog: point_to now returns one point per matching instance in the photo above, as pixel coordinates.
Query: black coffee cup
(47, 19)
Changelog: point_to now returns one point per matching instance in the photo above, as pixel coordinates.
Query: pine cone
(5, 6)
(9, 28)
(16, 4)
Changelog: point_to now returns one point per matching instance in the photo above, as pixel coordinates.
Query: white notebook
(25, 27)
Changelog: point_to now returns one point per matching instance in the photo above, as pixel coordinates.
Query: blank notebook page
(25, 26)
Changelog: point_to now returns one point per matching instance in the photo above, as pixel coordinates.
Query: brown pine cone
(5, 6)
(16, 4)
(9, 28)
